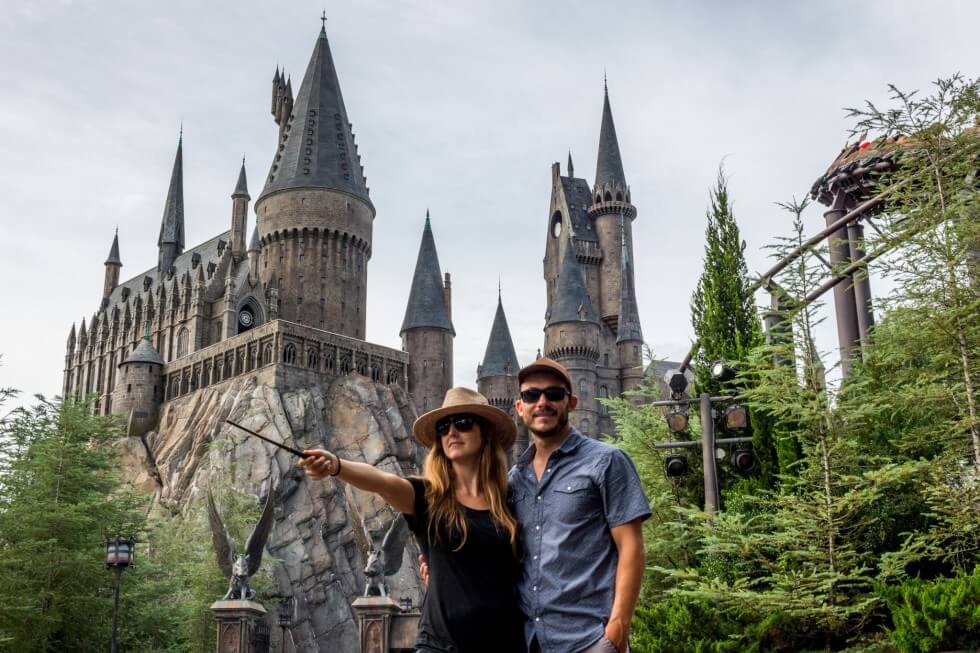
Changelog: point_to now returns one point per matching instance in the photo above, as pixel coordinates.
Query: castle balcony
(288, 347)
(587, 252)
(612, 206)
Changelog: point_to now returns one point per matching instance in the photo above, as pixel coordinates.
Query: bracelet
(337, 458)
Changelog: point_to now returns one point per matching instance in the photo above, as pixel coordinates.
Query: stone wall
(317, 532)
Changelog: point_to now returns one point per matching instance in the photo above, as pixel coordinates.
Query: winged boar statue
(239, 568)
(386, 560)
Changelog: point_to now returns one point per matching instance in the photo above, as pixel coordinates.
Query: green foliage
(60, 497)
(935, 615)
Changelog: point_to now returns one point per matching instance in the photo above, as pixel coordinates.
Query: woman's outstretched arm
(398, 492)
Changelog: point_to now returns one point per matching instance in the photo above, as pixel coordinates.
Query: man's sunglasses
(553, 393)
(463, 424)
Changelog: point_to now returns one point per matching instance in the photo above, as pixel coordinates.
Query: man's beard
(551, 433)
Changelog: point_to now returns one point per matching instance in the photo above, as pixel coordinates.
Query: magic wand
(295, 452)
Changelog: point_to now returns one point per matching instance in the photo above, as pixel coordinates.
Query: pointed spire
(609, 165)
(276, 79)
(241, 187)
(571, 302)
(171, 239)
(426, 301)
(253, 244)
(629, 314)
(71, 337)
(571, 168)
(500, 357)
(318, 151)
(114, 251)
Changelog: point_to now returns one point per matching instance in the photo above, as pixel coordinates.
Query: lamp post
(287, 613)
(119, 554)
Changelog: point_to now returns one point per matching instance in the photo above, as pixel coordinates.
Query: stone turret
(314, 214)
(139, 388)
(171, 239)
(496, 376)
(254, 250)
(427, 330)
(629, 336)
(112, 266)
(611, 204)
(571, 337)
(239, 215)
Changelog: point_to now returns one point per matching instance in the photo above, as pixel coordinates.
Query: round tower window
(556, 226)
(246, 319)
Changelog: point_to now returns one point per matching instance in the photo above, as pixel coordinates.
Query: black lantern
(119, 554)
(677, 419)
(287, 615)
(675, 465)
(743, 460)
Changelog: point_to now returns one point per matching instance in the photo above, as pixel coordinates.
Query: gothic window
(375, 373)
(289, 354)
(608, 196)
(586, 427)
(619, 196)
(182, 339)
(605, 360)
(583, 388)
(246, 319)
(603, 394)
(312, 359)
(267, 355)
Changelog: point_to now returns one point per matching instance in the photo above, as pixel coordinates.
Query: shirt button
(535, 588)
(538, 527)
(535, 557)
(539, 497)
(569, 488)
(547, 470)
(537, 618)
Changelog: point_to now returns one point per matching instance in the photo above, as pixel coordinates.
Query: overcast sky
(459, 107)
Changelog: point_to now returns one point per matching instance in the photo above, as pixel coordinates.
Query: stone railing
(284, 343)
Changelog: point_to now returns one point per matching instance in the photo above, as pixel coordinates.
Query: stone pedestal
(237, 625)
(374, 615)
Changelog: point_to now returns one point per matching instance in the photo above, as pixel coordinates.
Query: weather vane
(323, 19)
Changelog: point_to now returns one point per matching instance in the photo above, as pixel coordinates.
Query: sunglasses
(463, 424)
(553, 393)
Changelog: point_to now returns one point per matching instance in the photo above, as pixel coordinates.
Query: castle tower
(427, 331)
(112, 266)
(611, 202)
(314, 214)
(496, 376)
(239, 215)
(629, 336)
(139, 388)
(171, 239)
(571, 337)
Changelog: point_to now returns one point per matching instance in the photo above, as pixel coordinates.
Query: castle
(294, 293)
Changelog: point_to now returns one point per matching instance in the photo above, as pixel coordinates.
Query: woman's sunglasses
(553, 393)
(463, 423)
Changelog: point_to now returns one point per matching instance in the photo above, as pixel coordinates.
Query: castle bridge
(284, 343)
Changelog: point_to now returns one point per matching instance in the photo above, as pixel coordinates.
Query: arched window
(267, 355)
(619, 196)
(289, 354)
(607, 197)
(583, 388)
(183, 336)
(603, 394)
(313, 359)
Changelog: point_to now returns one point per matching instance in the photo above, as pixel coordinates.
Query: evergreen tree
(60, 497)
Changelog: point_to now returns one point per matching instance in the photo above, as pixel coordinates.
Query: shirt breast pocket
(575, 498)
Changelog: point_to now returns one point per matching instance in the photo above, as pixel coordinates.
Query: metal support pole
(712, 502)
(115, 608)
(848, 334)
(779, 327)
(862, 284)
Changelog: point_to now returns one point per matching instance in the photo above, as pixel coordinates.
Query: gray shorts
(601, 645)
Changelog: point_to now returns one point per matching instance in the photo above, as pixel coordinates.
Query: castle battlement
(288, 344)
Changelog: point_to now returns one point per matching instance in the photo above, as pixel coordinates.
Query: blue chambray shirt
(566, 591)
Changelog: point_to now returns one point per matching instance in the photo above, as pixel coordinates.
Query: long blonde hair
(440, 491)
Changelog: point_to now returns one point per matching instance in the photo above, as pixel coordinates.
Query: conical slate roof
(318, 150)
(571, 302)
(629, 314)
(241, 187)
(114, 251)
(254, 243)
(144, 353)
(172, 224)
(609, 166)
(500, 357)
(426, 302)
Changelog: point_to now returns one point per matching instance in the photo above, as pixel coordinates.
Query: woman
(460, 518)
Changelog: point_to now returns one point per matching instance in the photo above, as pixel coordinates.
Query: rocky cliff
(318, 532)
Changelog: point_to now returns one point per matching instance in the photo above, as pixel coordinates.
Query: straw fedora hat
(462, 401)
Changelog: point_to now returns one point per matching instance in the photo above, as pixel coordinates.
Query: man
(580, 504)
